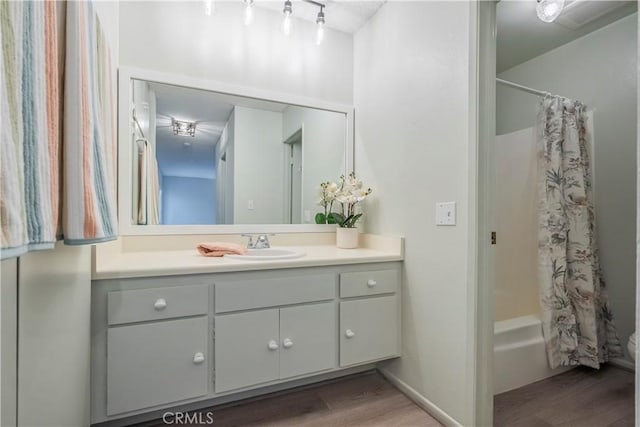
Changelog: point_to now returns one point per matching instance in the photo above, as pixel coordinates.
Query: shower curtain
(577, 323)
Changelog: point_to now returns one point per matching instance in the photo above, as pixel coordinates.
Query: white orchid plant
(349, 191)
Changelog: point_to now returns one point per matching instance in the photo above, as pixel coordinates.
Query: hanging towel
(30, 141)
(148, 184)
(89, 130)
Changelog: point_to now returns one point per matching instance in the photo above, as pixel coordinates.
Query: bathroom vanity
(233, 328)
(175, 330)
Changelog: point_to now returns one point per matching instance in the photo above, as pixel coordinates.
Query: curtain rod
(521, 87)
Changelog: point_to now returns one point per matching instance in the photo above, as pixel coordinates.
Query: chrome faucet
(262, 241)
(250, 244)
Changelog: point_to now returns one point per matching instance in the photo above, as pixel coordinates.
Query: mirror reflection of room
(204, 158)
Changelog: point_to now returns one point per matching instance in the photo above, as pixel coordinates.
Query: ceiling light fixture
(248, 12)
(320, 24)
(183, 128)
(549, 10)
(286, 24)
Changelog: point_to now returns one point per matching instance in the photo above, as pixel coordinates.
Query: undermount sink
(269, 254)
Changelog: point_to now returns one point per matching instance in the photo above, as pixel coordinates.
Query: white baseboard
(625, 364)
(419, 399)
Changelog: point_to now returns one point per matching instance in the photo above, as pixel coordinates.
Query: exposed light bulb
(549, 10)
(320, 24)
(286, 24)
(248, 12)
(208, 7)
(320, 34)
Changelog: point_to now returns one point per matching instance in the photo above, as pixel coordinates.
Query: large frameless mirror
(198, 157)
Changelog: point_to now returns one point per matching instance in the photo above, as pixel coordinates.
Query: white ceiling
(522, 36)
(210, 110)
(347, 16)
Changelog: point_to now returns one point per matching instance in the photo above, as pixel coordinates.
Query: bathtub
(519, 355)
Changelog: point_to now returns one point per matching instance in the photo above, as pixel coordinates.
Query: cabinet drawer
(273, 292)
(156, 363)
(362, 283)
(369, 330)
(157, 303)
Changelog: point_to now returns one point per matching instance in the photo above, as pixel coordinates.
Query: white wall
(411, 78)
(224, 180)
(8, 342)
(188, 200)
(322, 150)
(177, 37)
(229, 186)
(600, 70)
(258, 166)
(54, 341)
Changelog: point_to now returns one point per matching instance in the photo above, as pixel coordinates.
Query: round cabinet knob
(160, 304)
(273, 345)
(371, 283)
(198, 358)
(349, 333)
(287, 343)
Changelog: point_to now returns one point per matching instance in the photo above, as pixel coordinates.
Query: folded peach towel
(218, 249)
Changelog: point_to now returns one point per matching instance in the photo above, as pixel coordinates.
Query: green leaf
(351, 221)
(338, 218)
(321, 218)
(331, 219)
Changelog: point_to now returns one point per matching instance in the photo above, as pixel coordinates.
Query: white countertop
(179, 262)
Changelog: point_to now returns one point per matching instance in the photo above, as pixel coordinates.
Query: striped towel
(30, 105)
(30, 136)
(89, 130)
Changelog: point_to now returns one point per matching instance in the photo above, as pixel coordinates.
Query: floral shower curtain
(577, 322)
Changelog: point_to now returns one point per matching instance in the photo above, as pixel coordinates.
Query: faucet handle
(250, 244)
(262, 241)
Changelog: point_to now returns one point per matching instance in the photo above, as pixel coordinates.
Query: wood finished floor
(582, 397)
(359, 400)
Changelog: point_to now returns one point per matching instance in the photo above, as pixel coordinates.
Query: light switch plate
(446, 213)
(250, 205)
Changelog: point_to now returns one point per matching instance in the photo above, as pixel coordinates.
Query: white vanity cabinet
(266, 345)
(167, 342)
(259, 346)
(369, 316)
(157, 346)
(151, 364)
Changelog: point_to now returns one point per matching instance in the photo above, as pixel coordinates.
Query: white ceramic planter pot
(347, 238)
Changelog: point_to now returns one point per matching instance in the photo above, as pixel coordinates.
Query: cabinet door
(368, 330)
(247, 347)
(156, 363)
(307, 339)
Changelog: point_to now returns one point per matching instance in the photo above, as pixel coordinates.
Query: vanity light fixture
(288, 11)
(286, 24)
(549, 10)
(248, 12)
(183, 128)
(320, 24)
